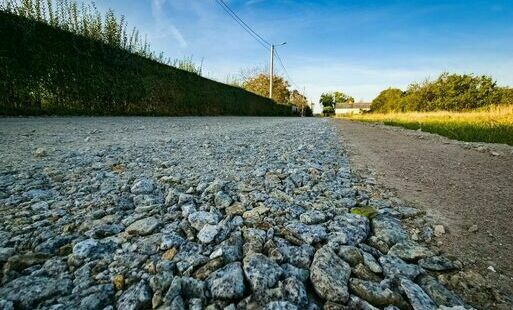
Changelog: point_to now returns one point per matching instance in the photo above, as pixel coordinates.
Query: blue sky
(359, 47)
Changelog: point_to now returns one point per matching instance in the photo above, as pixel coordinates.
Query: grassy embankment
(47, 70)
(493, 124)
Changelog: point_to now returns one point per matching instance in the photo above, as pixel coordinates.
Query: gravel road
(194, 213)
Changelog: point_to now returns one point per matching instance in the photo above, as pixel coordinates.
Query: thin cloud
(165, 27)
(251, 2)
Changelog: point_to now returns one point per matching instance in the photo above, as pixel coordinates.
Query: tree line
(449, 92)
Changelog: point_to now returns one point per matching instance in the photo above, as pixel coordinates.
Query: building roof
(356, 105)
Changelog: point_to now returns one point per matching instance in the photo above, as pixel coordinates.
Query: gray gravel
(194, 213)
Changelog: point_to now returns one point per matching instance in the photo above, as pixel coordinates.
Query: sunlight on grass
(492, 124)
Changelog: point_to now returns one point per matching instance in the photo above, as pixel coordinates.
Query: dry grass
(493, 124)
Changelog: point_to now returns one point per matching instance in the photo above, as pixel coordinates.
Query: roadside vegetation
(256, 80)
(462, 107)
(86, 20)
(492, 124)
(449, 92)
(59, 58)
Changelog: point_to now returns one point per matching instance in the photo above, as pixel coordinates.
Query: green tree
(506, 95)
(327, 100)
(340, 97)
(298, 100)
(453, 92)
(259, 84)
(387, 101)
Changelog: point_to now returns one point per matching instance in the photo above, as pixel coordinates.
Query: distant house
(351, 108)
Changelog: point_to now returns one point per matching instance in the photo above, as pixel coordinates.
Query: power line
(238, 18)
(285, 69)
(255, 35)
(244, 25)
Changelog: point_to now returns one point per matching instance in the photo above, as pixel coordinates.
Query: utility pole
(271, 69)
(271, 73)
(303, 104)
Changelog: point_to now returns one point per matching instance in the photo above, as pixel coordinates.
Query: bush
(328, 111)
(387, 101)
(308, 111)
(45, 70)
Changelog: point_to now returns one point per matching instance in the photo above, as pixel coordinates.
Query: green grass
(492, 124)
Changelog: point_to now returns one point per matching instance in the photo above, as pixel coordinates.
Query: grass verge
(493, 124)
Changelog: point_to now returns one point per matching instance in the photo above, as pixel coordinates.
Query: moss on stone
(366, 211)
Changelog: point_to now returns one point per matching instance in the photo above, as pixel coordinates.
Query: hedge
(45, 70)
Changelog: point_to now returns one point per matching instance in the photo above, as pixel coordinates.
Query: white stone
(439, 230)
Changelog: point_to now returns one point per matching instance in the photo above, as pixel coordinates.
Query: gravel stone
(376, 294)
(142, 186)
(208, 233)
(40, 152)
(350, 254)
(329, 275)
(395, 267)
(371, 263)
(418, 298)
(5, 253)
(388, 229)
(261, 272)
(143, 227)
(439, 293)
(312, 217)
(223, 200)
(28, 291)
(137, 296)
(280, 305)
(84, 248)
(307, 233)
(409, 251)
(349, 229)
(438, 263)
(200, 213)
(227, 282)
(295, 292)
(201, 218)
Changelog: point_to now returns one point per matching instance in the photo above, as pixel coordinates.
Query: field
(492, 124)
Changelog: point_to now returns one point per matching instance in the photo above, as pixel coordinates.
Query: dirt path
(458, 184)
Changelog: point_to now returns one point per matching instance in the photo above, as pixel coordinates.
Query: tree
(340, 97)
(298, 100)
(506, 95)
(387, 101)
(308, 111)
(328, 104)
(327, 100)
(259, 84)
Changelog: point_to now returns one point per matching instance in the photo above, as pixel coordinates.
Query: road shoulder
(462, 186)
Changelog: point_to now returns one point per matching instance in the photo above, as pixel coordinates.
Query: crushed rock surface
(201, 213)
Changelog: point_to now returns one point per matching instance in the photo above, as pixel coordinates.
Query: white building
(351, 108)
